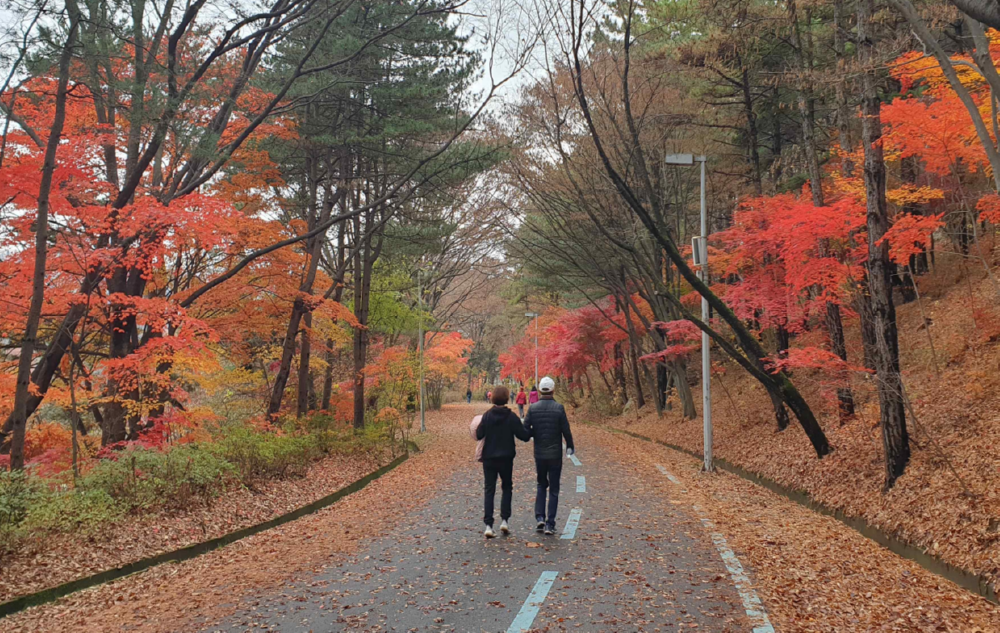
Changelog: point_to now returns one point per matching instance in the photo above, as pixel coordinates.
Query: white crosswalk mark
(581, 483)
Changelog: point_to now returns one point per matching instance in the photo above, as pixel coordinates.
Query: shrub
(17, 493)
(261, 455)
(143, 478)
(71, 511)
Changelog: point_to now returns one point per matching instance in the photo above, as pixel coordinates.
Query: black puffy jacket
(498, 427)
(548, 424)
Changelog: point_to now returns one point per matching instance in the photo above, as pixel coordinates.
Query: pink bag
(479, 443)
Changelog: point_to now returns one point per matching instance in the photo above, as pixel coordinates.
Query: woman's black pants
(503, 467)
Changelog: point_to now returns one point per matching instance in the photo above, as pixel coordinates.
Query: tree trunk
(753, 144)
(843, 112)
(835, 326)
(328, 376)
(804, 100)
(305, 376)
(684, 389)
(662, 384)
(30, 338)
(895, 440)
(300, 309)
(363, 262)
(287, 354)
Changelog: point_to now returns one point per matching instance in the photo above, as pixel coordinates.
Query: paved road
(637, 562)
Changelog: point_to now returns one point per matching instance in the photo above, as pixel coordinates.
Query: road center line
(576, 462)
(573, 522)
(581, 483)
(526, 616)
(751, 601)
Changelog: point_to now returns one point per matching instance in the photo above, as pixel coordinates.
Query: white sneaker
(504, 528)
(540, 527)
(489, 533)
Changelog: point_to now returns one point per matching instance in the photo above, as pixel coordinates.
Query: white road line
(526, 616)
(573, 522)
(669, 475)
(581, 483)
(576, 462)
(751, 601)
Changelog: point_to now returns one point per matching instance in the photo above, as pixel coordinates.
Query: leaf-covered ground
(948, 500)
(55, 559)
(811, 572)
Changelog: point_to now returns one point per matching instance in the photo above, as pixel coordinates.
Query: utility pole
(534, 315)
(420, 345)
(699, 251)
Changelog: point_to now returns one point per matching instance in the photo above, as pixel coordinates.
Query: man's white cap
(546, 385)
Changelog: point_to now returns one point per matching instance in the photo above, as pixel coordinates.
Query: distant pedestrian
(533, 396)
(468, 396)
(522, 399)
(547, 423)
(499, 427)
(489, 396)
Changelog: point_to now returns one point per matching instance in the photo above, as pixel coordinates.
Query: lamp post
(699, 251)
(534, 315)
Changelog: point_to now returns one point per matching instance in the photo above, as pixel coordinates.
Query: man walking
(547, 423)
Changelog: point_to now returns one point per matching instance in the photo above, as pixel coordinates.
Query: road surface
(637, 561)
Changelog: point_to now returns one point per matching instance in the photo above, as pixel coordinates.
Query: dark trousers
(520, 410)
(549, 471)
(491, 468)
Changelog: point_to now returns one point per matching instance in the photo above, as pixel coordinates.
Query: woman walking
(522, 399)
(533, 398)
(499, 427)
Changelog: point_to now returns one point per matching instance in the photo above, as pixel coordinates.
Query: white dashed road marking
(669, 475)
(751, 601)
(526, 616)
(576, 462)
(581, 483)
(573, 522)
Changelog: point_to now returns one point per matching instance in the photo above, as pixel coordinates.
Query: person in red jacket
(533, 398)
(521, 400)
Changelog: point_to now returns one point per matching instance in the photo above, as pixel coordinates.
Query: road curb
(965, 579)
(191, 551)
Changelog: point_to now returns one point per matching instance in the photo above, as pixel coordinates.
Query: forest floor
(658, 547)
(948, 500)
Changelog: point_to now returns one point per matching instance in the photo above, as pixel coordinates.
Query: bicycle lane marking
(526, 616)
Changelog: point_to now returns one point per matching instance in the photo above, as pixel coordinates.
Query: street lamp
(534, 315)
(699, 251)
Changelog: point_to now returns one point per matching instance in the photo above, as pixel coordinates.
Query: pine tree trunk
(895, 440)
